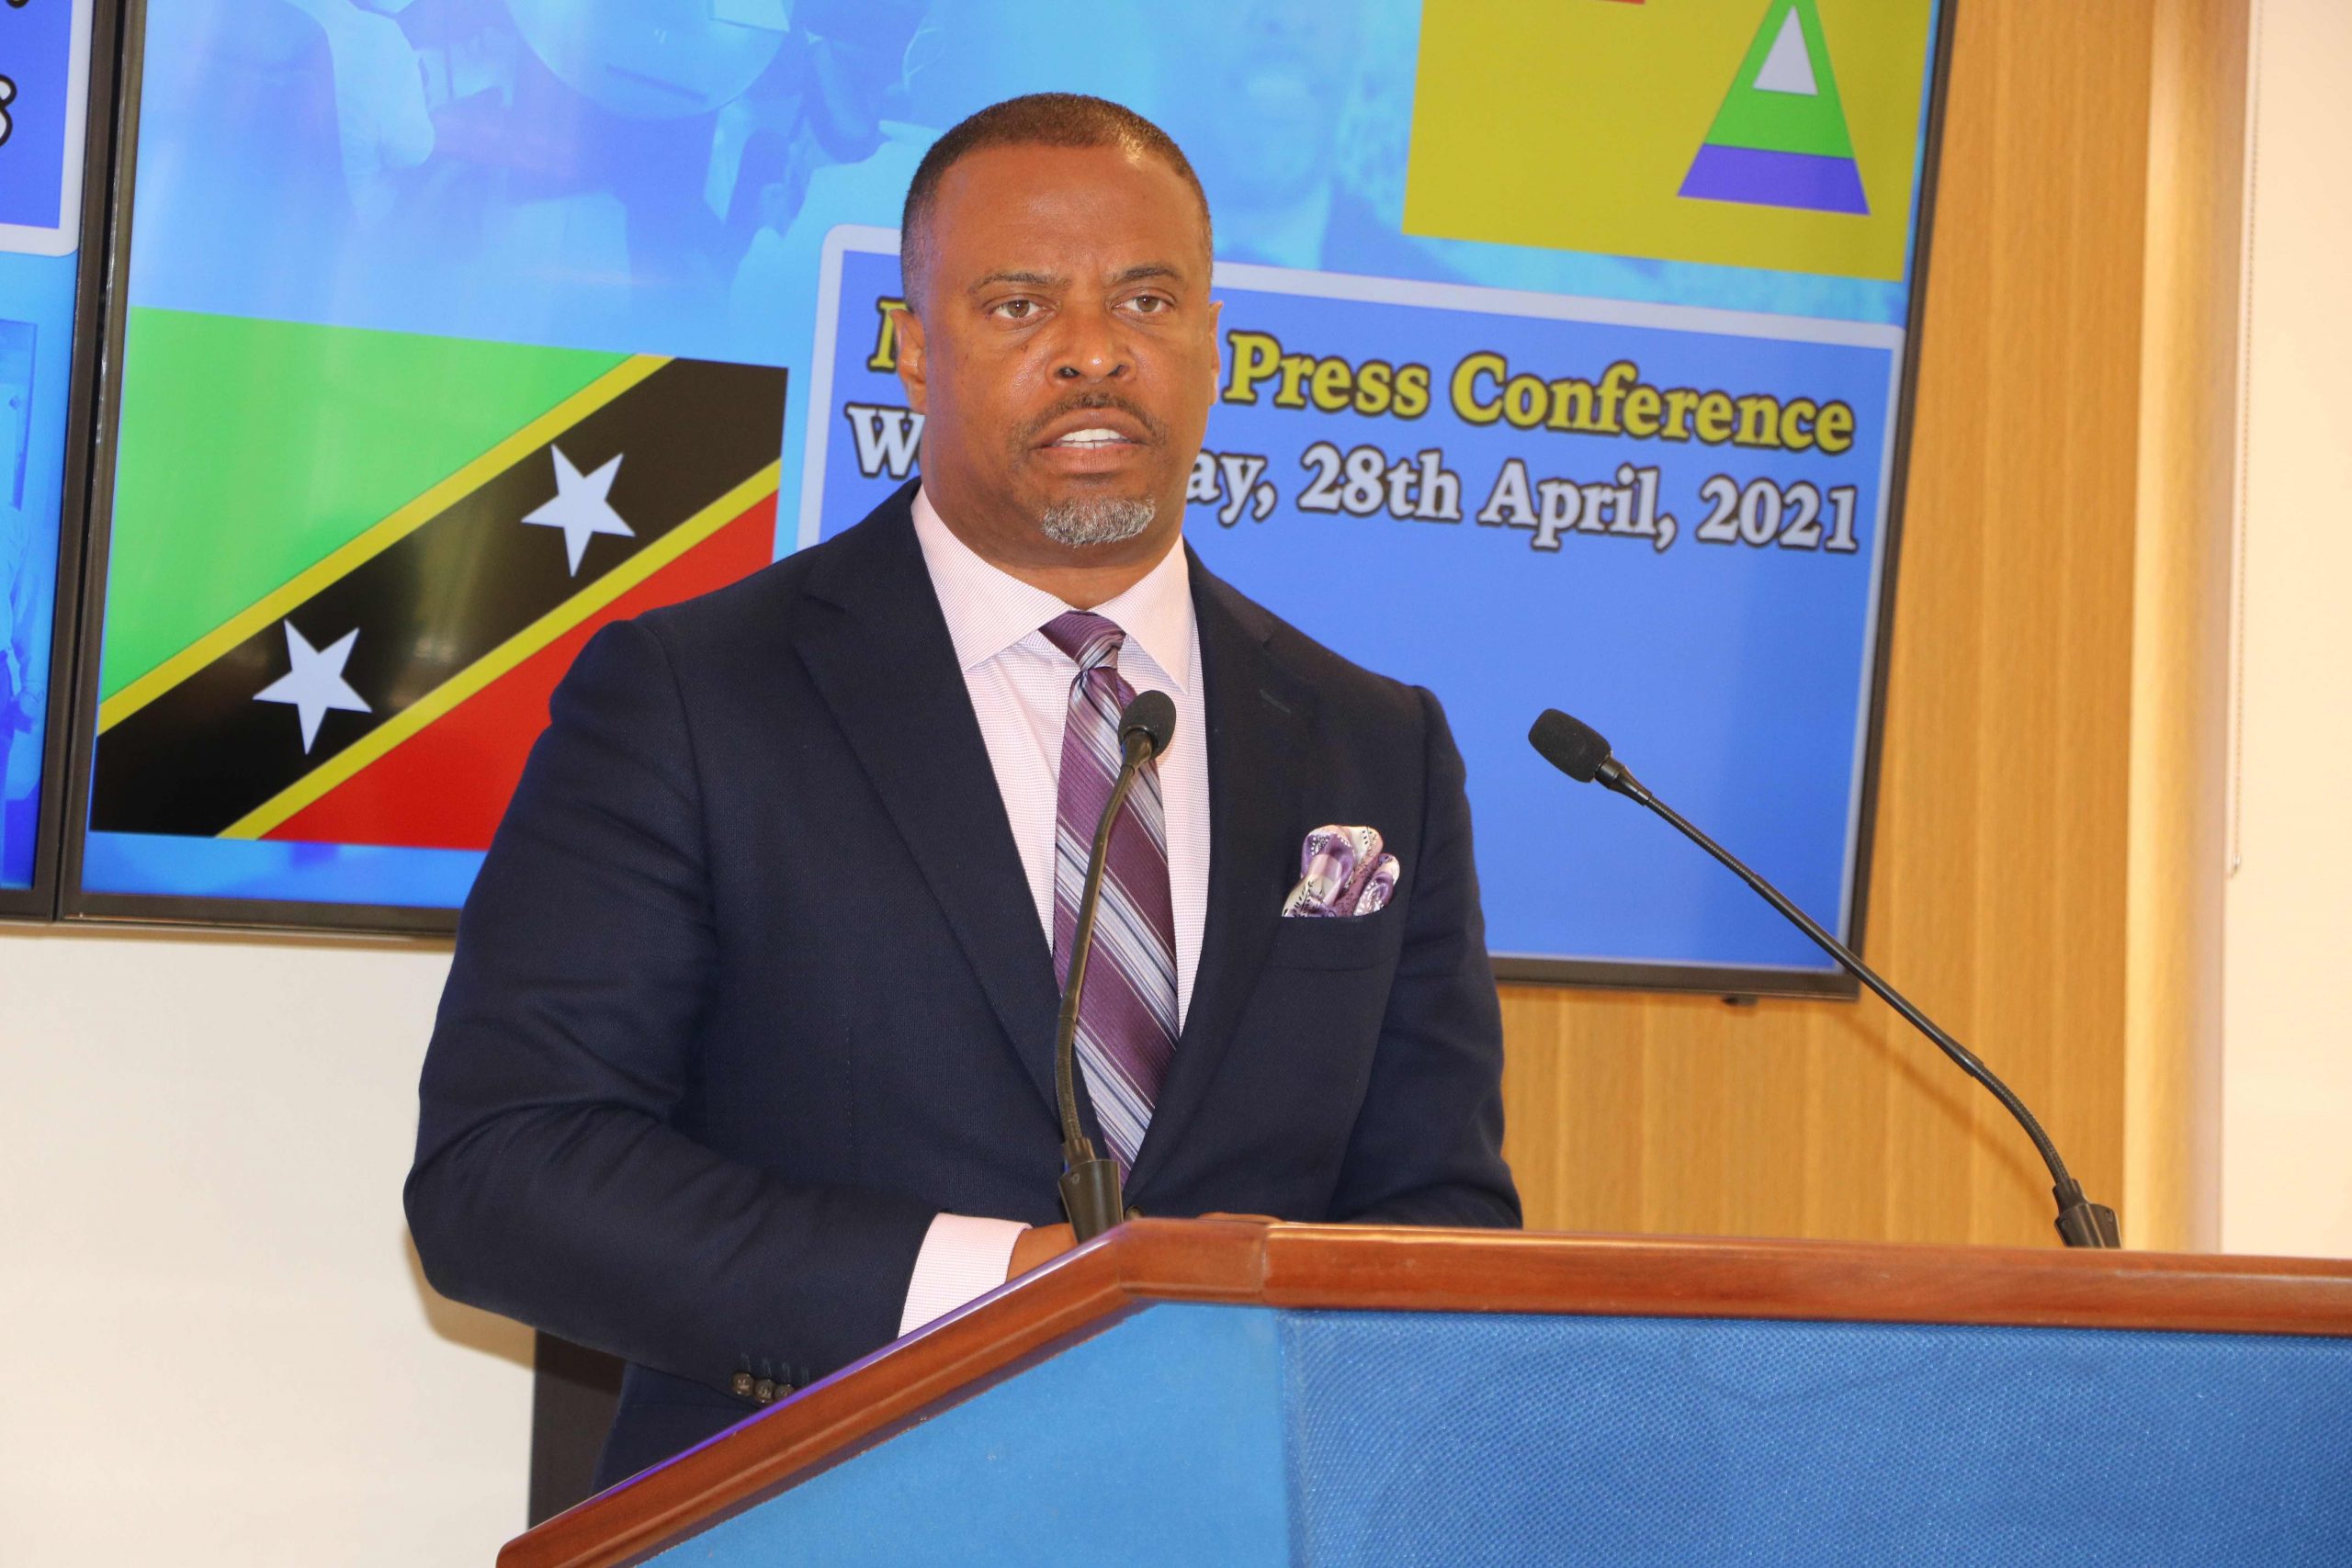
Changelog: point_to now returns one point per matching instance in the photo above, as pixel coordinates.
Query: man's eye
(1016, 310)
(1149, 304)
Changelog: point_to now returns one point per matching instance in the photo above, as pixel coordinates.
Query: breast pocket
(1346, 942)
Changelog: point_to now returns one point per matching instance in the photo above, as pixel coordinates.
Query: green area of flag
(250, 450)
(1784, 123)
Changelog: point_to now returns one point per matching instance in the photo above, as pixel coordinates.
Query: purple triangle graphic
(1759, 178)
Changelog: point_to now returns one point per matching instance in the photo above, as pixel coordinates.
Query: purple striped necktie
(1126, 1019)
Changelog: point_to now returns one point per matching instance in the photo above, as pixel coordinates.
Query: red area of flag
(445, 786)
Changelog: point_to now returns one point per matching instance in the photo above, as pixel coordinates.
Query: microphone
(1090, 1183)
(1579, 751)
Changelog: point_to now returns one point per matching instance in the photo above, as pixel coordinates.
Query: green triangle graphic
(1784, 123)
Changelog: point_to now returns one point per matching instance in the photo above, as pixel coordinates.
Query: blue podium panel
(1460, 1439)
(1245, 1435)
(1158, 1444)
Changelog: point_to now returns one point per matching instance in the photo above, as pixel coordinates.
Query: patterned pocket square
(1341, 873)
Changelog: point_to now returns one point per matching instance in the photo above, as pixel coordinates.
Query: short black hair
(1034, 120)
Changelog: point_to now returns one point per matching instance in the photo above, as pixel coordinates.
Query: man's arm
(1428, 1144)
(549, 1184)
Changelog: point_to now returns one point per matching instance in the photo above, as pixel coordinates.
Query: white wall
(2287, 1053)
(215, 1347)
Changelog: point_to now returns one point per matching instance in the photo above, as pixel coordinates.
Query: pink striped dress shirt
(1019, 686)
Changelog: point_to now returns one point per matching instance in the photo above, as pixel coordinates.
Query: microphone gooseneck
(1579, 752)
(1090, 1183)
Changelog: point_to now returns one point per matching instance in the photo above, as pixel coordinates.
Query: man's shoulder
(1340, 686)
(769, 604)
(759, 605)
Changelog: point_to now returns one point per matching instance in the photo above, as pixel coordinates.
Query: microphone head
(1152, 715)
(1570, 745)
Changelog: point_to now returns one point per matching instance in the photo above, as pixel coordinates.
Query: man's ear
(914, 369)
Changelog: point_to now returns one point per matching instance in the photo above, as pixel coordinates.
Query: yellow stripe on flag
(381, 536)
(378, 742)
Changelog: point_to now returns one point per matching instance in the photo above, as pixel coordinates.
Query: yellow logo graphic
(1762, 133)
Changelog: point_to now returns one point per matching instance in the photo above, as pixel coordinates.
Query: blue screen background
(35, 368)
(38, 202)
(662, 176)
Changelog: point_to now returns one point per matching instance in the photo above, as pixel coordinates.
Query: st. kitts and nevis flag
(349, 566)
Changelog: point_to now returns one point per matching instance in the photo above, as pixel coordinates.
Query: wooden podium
(1234, 1393)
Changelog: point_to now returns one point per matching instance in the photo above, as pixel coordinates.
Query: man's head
(1062, 344)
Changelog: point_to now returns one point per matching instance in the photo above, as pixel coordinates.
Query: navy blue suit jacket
(751, 985)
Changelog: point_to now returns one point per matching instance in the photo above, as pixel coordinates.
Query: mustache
(1080, 403)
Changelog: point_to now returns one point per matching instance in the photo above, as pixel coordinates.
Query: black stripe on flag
(203, 754)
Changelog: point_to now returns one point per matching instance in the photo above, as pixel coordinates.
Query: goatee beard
(1098, 520)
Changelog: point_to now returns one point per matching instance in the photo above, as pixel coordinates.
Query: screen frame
(77, 903)
(1742, 981)
(93, 257)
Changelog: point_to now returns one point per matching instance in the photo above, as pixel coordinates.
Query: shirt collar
(989, 610)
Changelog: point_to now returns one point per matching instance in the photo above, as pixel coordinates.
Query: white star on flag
(580, 508)
(315, 684)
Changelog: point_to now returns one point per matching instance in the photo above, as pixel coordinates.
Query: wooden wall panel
(2001, 887)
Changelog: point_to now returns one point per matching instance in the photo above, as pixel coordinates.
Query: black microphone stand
(1090, 1183)
(2081, 1223)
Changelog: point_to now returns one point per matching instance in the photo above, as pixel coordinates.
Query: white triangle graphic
(1789, 68)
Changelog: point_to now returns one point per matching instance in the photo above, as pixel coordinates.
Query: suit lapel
(878, 648)
(1259, 717)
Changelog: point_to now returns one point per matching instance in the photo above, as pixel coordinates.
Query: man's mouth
(1092, 436)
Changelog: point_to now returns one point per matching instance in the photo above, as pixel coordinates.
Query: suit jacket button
(742, 1385)
(764, 1391)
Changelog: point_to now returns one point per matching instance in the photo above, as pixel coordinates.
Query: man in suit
(744, 1064)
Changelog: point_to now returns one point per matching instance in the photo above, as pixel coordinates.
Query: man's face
(1064, 356)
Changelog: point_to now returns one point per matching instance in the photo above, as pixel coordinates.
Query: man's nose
(1092, 348)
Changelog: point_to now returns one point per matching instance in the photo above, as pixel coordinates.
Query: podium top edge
(1391, 1268)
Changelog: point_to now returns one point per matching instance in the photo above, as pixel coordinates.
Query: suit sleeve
(1428, 1143)
(551, 1182)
